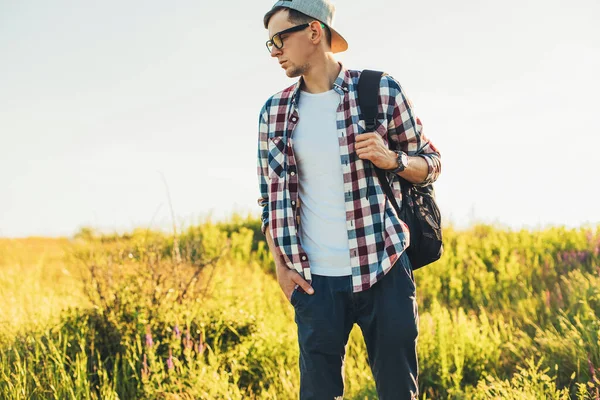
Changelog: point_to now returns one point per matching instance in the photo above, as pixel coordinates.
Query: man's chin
(292, 72)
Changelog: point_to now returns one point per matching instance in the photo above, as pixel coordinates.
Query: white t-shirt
(323, 233)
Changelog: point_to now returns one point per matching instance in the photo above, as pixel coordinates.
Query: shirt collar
(340, 85)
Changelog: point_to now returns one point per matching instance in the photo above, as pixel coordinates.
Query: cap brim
(338, 43)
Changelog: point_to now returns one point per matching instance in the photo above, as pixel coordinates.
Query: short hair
(296, 17)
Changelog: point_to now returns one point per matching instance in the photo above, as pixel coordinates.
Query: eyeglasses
(277, 41)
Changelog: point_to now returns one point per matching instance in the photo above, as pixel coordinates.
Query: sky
(108, 108)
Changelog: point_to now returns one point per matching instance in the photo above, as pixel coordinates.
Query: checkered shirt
(376, 236)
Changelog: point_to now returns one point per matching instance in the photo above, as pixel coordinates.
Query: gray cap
(321, 10)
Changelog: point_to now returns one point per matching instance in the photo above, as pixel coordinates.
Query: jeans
(388, 318)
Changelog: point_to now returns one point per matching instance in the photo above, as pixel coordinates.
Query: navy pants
(388, 318)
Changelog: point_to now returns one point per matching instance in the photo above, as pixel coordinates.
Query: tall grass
(503, 315)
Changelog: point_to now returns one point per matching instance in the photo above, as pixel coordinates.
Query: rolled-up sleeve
(262, 167)
(405, 130)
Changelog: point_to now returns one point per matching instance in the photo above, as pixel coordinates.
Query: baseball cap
(322, 10)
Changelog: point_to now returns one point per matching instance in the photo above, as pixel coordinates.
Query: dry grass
(35, 282)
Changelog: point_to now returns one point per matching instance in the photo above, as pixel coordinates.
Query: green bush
(503, 315)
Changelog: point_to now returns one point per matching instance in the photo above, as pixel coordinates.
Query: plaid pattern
(376, 235)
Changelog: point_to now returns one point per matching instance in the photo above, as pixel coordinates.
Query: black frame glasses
(277, 41)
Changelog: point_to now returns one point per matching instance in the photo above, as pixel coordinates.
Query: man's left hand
(370, 146)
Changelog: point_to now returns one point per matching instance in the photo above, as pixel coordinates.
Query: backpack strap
(368, 97)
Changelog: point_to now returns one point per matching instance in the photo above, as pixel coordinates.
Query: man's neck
(321, 76)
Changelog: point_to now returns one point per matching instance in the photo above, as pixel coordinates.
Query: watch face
(404, 159)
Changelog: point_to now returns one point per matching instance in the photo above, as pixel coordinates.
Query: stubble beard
(295, 72)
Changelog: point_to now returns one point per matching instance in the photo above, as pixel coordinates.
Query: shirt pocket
(276, 157)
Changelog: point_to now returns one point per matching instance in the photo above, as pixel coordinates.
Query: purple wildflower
(187, 341)
(170, 360)
(149, 341)
(571, 259)
(145, 370)
(177, 332)
(200, 346)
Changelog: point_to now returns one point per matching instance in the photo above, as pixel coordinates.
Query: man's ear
(316, 32)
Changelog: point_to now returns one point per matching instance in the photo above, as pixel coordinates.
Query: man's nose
(275, 51)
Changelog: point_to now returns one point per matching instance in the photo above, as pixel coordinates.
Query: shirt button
(293, 203)
(292, 173)
(303, 258)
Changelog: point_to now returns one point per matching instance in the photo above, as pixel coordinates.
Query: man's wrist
(400, 162)
(280, 263)
(394, 161)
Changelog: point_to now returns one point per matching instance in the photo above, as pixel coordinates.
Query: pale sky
(99, 100)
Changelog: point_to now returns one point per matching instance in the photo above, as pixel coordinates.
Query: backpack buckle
(370, 125)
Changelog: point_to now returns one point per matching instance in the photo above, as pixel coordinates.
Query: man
(338, 244)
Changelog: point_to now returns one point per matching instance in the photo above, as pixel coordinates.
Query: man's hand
(289, 278)
(370, 146)
(286, 277)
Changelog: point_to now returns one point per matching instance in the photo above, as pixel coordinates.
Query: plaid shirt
(376, 236)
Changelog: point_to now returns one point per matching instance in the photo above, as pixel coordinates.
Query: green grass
(503, 315)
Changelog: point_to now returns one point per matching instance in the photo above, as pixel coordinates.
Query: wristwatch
(402, 159)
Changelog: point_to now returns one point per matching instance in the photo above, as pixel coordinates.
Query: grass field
(146, 315)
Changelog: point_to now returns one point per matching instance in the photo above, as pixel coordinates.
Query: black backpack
(419, 209)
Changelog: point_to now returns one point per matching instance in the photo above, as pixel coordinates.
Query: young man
(338, 244)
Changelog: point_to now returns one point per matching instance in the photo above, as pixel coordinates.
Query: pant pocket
(294, 296)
